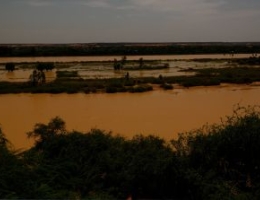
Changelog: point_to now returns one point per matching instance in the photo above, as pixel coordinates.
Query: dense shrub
(214, 162)
(223, 158)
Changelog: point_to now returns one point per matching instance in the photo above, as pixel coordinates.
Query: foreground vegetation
(214, 162)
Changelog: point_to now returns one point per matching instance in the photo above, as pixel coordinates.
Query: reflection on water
(164, 113)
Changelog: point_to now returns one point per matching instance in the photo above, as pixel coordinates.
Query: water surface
(163, 113)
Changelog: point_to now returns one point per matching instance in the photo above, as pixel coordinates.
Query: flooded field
(163, 113)
(106, 70)
(111, 58)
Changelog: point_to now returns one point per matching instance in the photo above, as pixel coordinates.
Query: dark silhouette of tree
(127, 76)
(37, 77)
(10, 67)
(123, 60)
(42, 132)
(117, 65)
(141, 63)
(45, 66)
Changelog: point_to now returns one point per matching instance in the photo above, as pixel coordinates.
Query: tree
(10, 67)
(45, 66)
(117, 65)
(123, 60)
(42, 132)
(141, 63)
(37, 77)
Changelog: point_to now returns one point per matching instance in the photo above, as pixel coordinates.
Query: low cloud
(195, 6)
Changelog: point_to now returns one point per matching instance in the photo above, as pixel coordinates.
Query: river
(162, 113)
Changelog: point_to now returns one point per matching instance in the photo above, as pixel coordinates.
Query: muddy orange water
(163, 113)
(111, 58)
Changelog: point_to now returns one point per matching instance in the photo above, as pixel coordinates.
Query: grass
(67, 74)
(216, 76)
(254, 60)
(146, 67)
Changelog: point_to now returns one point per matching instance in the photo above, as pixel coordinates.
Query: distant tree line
(128, 49)
(214, 162)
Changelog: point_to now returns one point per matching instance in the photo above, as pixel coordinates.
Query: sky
(91, 21)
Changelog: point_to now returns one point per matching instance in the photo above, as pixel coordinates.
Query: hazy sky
(83, 21)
